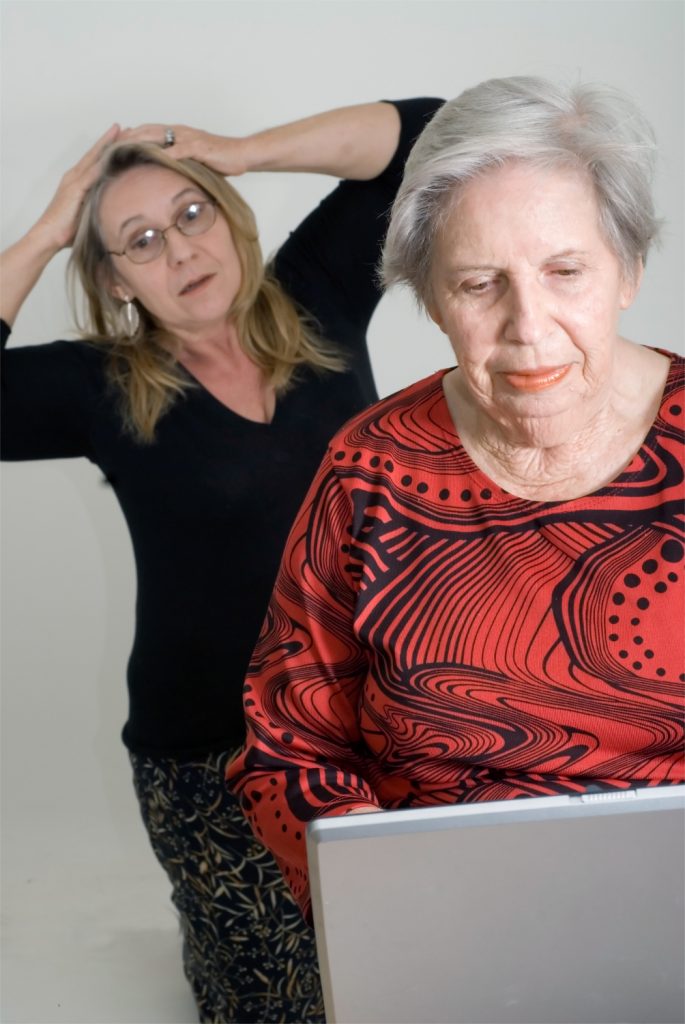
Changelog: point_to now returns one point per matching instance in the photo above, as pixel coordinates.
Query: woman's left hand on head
(222, 153)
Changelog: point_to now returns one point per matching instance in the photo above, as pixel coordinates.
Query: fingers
(59, 220)
(82, 175)
(156, 133)
(224, 154)
(179, 140)
(93, 154)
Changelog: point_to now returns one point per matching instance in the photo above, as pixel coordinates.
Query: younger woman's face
(191, 286)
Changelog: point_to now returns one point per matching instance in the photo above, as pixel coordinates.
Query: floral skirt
(248, 954)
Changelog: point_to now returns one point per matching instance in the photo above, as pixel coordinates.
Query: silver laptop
(552, 910)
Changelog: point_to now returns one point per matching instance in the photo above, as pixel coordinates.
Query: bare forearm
(20, 267)
(351, 142)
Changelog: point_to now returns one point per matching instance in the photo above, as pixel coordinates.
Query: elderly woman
(482, 596)
(206, 390)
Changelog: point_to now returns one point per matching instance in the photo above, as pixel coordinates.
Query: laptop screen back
(558, 909)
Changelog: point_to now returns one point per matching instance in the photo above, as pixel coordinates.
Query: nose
(527, 314)
(178, 247)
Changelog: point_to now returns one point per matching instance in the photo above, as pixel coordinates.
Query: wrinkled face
(529, 294)
(191, 286)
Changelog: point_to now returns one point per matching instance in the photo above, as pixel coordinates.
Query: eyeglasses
(149, 244)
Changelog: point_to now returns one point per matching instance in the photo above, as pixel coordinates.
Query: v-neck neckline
(226, 409)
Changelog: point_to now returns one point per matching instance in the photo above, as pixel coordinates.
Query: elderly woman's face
(191, 285)
(529, 294)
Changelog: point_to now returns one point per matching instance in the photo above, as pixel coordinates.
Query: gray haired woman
(483, 594)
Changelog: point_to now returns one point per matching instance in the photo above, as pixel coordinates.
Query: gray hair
(595, 129)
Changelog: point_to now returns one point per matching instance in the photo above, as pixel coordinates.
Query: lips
(195, 284)
(537, 380)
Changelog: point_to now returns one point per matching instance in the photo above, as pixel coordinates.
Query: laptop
(550, 910)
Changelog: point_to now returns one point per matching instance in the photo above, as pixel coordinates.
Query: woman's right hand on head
(22, 263)
(57, 225)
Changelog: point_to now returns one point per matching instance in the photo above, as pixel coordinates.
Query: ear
(631, 285)
(121, 293)
(107, 279)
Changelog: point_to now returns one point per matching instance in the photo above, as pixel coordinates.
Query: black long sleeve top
(209, 503)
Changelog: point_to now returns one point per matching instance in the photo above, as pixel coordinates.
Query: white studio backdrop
(88, 934)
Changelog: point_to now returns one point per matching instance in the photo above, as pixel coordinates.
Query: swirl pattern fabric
(434, 639)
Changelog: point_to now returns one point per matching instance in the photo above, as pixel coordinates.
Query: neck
(542, 467)
(216, 341)
(552, 458)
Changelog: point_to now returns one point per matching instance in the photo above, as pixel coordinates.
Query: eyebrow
(479, 268)
(174, 199)
(566, 253)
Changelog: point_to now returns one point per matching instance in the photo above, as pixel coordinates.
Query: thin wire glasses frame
(194, 219)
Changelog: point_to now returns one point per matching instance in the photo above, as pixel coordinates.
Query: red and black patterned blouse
(433, 639)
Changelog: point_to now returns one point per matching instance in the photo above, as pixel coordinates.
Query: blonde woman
(205, 389)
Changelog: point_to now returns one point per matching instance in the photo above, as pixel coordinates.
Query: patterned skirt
(248, 954)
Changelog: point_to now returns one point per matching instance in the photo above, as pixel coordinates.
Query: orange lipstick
(537, 380)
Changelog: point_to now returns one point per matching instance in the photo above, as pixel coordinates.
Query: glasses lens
(146, 247)
(197, 218)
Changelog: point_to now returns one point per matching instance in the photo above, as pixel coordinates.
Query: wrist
(44, 241)
(254, 152)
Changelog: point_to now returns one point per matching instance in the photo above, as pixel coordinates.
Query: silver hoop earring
(129, 318)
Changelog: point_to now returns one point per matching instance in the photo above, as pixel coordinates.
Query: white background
(88, 934)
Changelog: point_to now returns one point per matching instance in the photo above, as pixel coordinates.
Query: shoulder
(672, 407)
(78, 369)
(413, 417)
(61, 356)
(676, 374)
(66, 348)
(63, 349)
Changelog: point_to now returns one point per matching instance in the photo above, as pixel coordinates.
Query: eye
(191, 213)
(478, 287)
(143, 241)
(567, 272)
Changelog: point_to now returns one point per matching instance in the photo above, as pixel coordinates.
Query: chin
(547, 428)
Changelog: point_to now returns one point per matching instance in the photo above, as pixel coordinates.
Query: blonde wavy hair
(144, 367)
